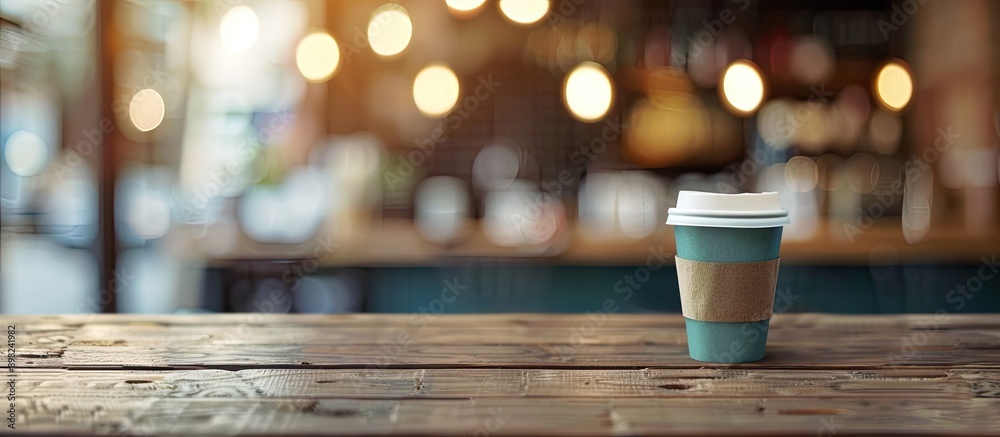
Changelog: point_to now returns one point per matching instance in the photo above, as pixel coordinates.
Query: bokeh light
(317, 56)
(389, 30)
(26, 153)
(441, 208)
(148, 214)
(435, 90)
(69, 209)
(598, 204)
(588, 92)
(354, 158)
(521, 215)
(524, 11)
(146, 110)
(41, 276)
(801, 174)
(660, 136)
(239, 29)
(638, 205)
(432, 134)
(287, 213)
(496, 166)
(143, 204)
(742, 87)
(465, 5)
(894, 85)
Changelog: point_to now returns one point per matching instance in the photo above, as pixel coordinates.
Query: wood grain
(479, 383)
(523, 341)
(494, 375)
(507, 416)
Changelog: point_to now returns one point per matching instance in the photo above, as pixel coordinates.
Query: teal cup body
(727, 342)
(727, 266)
(727, 245)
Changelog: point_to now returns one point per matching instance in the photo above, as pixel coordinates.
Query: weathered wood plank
(499, 416)
(795, 341)
(117, 335)
(41, 344)
(459, 375)
(837, 355)
(480, 383)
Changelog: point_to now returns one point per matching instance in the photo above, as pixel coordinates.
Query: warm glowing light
(894, 85)
(464, 5)
(317, 56)
(389, 30)
(239, 29)
(146, 110)
(587, 92)
(663, 136)
(435, 90)
(524, 11)
(26, 153)
(742, 87)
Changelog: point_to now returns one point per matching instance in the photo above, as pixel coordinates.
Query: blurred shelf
(396, 243)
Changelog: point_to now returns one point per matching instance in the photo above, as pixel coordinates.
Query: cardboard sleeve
(727, 292)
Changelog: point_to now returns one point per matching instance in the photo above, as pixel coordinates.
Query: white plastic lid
(746, 210)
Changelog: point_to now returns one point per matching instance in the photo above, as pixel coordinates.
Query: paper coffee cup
(727, 265)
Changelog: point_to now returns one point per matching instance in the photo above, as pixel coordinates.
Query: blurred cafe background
(443, 156)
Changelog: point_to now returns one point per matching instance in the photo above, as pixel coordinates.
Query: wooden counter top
(509, 374)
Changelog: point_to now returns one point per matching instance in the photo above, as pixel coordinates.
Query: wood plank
(457, 375)
(487, 383)
(42, 344)
(505, 416)
(795, 341)
(354, 335)
(832, 355)
(117, 335)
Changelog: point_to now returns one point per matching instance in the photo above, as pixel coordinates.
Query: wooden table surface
(511, 374)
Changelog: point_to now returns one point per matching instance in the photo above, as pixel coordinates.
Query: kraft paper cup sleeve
(727, 292)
